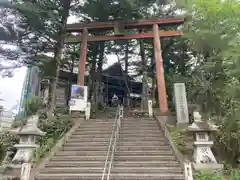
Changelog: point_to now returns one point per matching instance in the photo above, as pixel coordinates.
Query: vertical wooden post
(162, 96)
(83, 57)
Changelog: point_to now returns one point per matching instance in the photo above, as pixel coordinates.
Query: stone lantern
(203, 155)
(27, 144)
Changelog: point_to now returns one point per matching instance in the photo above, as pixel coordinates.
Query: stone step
(146, 164)
(87, 139)
(144, 170)
(75, 164)
(143, 153)
(138, 119)
(81, 153)
(70, 170)
(142, 138)
(116, 158)
(139, 143)
(140, 170)
(141, 135)
(146, 176)
(89, 148)
(137, 131)
(119, 144)
(84, 140)
(90, 135)
(69, 163)
(138, 124)
(79, 158)
(143, 148)
(139, 128)
(87, 144)
(96, 133)
(114, 176)
(145, 158)
(94, 129)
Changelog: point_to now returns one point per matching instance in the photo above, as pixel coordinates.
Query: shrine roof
(108, 25)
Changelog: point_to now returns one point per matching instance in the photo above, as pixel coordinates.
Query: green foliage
(178, 137)
(207, 176)
(7, 141)
(235, 174)
(32, 105)
(55, 128)
(214, 81)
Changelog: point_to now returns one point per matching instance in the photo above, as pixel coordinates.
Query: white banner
(79, 96)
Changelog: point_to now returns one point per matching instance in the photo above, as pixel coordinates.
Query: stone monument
(26, 146)
(203, 155)
(181, 104)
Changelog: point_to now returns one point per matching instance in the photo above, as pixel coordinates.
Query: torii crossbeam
(89, 28)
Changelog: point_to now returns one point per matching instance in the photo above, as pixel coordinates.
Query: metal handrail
(113, 142)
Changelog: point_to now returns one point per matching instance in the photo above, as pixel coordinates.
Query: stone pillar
(203, 155)
(26, 146)
(181, 104)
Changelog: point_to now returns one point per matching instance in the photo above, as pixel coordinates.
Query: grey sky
(11, 88)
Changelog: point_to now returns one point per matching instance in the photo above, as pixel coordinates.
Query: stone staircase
(142, 153)
(83, 155)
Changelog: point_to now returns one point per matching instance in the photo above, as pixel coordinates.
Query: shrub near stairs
(6, 143)
(178, 137)
(55, 128)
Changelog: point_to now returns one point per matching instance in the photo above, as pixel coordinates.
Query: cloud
(11, 88)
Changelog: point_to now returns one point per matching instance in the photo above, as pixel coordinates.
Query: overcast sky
(11, 88)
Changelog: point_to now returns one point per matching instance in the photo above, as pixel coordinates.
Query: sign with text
(181, 103)
(78, 100)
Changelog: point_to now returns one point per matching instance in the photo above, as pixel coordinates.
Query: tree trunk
(91, 80)
(71, 79)
(144, 102)
(126, 93)
(153, 81)
(99, 77)
(57, 54)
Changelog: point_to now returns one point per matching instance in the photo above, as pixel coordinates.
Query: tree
(212, 34)
(43, 29)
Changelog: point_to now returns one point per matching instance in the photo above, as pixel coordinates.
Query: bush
(235, 174)
(55, 129)
(178, 137)
(32, 105)
(204, 175)
(7, 141)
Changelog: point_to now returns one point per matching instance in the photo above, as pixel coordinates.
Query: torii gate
(84, 28)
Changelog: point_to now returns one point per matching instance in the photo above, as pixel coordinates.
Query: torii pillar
(162, 95)
(83, 57)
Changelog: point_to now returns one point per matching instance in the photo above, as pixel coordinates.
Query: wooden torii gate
(85, 28)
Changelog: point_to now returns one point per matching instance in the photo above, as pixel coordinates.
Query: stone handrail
(56, 148)
(185, 163)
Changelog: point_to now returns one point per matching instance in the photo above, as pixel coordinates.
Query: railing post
(150, 109)
(88, 111)
(188, 171)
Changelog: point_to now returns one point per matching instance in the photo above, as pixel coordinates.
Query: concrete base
(216, 168)
(10, 170)
(182, 125)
